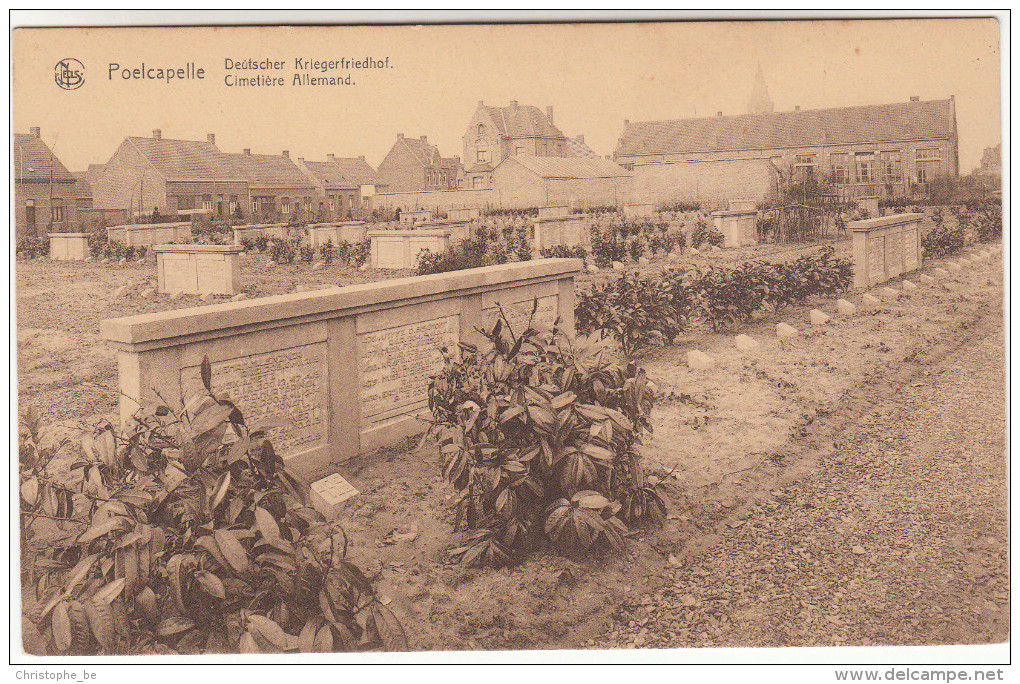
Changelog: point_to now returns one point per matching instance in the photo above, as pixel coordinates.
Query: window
(864, 163)
(891, 166)
(207, 202)
(233, 204)
(308, 205)
(285, 205)
(30, 212)
(477, 182)
(350, 202)
(840, 166)
(518, 150)
(482, 155)
(929, 163)
(332, 202)
(806, 164)
(57, 211)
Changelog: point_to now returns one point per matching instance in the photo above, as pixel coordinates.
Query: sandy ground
(732, 436)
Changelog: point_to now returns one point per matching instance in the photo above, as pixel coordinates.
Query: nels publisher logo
(69, 73)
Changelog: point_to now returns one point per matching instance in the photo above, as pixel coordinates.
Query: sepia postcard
(671, 340)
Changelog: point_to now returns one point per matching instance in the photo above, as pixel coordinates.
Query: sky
(593, 75)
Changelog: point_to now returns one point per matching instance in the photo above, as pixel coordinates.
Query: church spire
(760, 102)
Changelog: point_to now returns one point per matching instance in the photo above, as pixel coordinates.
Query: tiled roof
(522, 121)
(569, 167)
(484, 167)
(269, 171)
(804, 128)
(427, 155)
(82, 185)
(579, 148)
(33, 160)
(187, 159)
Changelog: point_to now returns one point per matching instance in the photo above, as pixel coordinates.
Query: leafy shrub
(703, 233)
(637, 311)
(97, 244)
(282, 251)
(467, 254)
(942, 241)
(31, 246)
(326, 251)
(344, 250)
(680, 207)
(188, 535)
(537, 434)
(524, 242)
(261, 242)
(360, 252)
(307, 253)
(989, 221)
(248, 245)
(564, 252)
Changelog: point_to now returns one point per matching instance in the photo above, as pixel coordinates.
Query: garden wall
(340, 371)
(148, 234)
(702, 181)
(436, 199)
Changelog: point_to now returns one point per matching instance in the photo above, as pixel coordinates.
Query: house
(46, 194)
(496, 133)
(577, 147)
(892, 149)
(412, 164)
(346, 186)
(278, 188)
(170, 175)
(576, 182)
(991, 161)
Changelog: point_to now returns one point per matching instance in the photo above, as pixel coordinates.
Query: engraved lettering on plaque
(211, 275)
(519, 313)
(286, 387)
(876, 258)
(893, 255)
(394, 365)
(910, 249)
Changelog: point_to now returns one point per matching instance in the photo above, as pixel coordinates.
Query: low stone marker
(197, 269)
(270, 230)
(460, 229)
(335, 233)
(908, 286)
(148, 234)
(871, 300)
(342, 370)
(885, 248)
(618, 266)
(738, 226)
(120, 292)
(786, 331)
(889, 293)
(699, 360)
(327, 494)
(638, 209)
(747, 344)
(941, 272)
(69, 246)
(694, 250)
(147, 293)
(417, 215)
(818, 317)
(553, 231)
(985, 254)
(926, 279)
(953, 266)
(553, 210)
(468, 214)
(845, 308)
(868, 205)
(963, 261)
(399, 248)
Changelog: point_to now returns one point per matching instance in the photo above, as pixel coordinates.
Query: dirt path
(899, 536)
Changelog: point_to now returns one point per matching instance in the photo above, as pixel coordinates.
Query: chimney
(286, 153)
(580, 138)
(301, 160)
(481, 103)
(331, 157)
(796, 108)
(513, 104)
(211, 137)
(361, 157)
(548, 113)
(626, 122)
(157, 134)
(915, 98)
(425, 139)
(247, 151)
(400, 136)
(718, 113)
(36, 131)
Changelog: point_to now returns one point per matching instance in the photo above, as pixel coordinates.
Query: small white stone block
(147, 293)
(363, 268)
(592, 268)
(941, 272)
(673, 256)
(908, 286)
(694, 250)
(617, 266)
(698, 360)
(644, 260)
(985, 254)
(176, 295)
(871, 300)
(317, 266)
(239, 297)
(301, 288)
(926, 279)
(270, 264)
(120, 292)
(786, 331)
(328, 493)
(818, 317)
(889, 293)
(747, 344)
(207, 297)
(964, 261)
(716, 248)
(845, 308)
(953, 266)
(122, 261)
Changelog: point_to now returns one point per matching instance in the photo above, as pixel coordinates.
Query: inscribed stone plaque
(211, 272)
(394, 364)
(893, 247)
(876, 258)
(179, 273)
(910, 250)
(391, 253)
(519, 313)
(286, 386)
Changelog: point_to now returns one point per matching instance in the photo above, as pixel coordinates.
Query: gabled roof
(568, 167)
(803, 128)
(484, 167)
(187, 159)
(269, 171)
(353, 169)
(426, 154)
(82, 185)
(33, 160)
(577, 147)
(522, 121)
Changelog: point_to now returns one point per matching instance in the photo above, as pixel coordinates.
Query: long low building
(891, 150)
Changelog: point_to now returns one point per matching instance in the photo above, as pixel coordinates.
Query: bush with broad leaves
(538, 434)
(186, 534)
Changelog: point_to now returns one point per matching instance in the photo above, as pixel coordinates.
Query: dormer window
(481, 129)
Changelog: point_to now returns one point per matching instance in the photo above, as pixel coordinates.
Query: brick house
(170, 175)
(889, 150)
(278, 188)
(46, 195)
(412, 164)
(576, 182)
(496, 133)
(345, 186)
